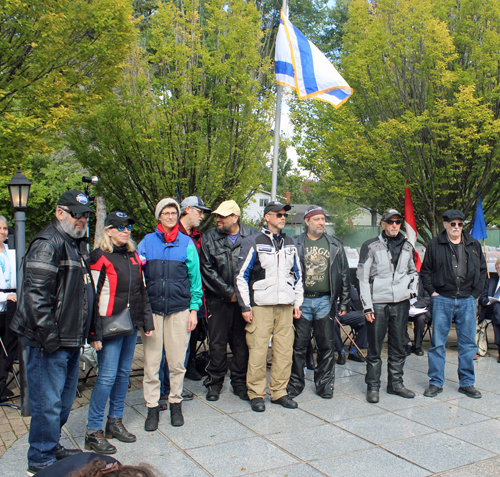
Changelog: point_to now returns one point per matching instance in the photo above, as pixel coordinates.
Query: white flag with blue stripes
(300, 65)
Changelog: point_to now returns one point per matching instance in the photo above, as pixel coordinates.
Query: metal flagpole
(277, 127)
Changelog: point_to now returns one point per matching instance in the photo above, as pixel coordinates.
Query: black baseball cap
(276, 207)
(451, 214)
(76, 201)
(117, 218)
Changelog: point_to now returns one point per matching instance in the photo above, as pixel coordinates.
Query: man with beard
(55, 310)
(220, 249)
(387, 280)
(326, 279)
(192, 212)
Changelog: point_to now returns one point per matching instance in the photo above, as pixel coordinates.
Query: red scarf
(170, 237)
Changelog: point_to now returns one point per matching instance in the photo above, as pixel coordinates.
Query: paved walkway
(450, 435)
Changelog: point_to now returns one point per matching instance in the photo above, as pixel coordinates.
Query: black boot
(116, 429)
(176, 418)
(191, 371)
(96, 441)
(153, 419)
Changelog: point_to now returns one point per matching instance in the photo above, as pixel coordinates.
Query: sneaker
(187, 395)
(32, 470)
(153, 419)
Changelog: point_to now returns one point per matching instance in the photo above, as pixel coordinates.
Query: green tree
(425, 109)
(189, 116)
(56, 59)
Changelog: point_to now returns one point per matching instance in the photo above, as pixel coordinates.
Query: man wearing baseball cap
(53, 318)
(193, 210)
(454, 274)
(173, 283)
(387, 280)
(270, 293)
(220, 249)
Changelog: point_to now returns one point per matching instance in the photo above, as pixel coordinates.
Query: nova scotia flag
(301, 66)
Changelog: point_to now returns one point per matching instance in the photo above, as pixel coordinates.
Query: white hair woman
(117, 273)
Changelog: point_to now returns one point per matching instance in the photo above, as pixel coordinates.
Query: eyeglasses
(76, 215)
(280, 215)
(390, 222)
(169, 214)
(201, 212)
(122, 227)
(457, 224)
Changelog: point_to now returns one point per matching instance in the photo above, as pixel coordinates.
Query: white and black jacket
(268, 272)
(379, 280)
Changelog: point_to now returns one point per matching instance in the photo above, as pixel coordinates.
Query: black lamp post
(19, 190)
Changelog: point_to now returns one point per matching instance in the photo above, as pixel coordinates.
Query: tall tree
(189, 117)
(56, 58)
(425, 109)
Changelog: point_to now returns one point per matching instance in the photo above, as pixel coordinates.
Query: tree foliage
(56, 58)
(189, 117)
(425, 109)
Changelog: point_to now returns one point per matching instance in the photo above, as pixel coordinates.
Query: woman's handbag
(121, 323)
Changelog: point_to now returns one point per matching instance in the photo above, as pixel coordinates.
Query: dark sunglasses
(457, 224)
(77, 216)
(281, 215)
(390, 222)
(122, 227)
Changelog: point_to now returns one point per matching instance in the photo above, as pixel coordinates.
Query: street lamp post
(19, 190)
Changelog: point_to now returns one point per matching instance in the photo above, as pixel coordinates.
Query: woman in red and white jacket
(117, 274)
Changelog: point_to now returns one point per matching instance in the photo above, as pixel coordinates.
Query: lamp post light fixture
(19, 190)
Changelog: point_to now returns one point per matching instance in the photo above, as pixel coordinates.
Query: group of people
(250, 285)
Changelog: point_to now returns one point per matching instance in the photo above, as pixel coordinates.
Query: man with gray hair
(53, 318)
(387, 279)
(193, 210)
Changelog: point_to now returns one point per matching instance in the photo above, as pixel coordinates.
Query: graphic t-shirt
(317, 255)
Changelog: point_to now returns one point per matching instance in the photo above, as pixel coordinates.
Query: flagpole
(277, 128)
(486, 258)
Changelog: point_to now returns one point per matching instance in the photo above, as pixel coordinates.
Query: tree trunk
(100, 215)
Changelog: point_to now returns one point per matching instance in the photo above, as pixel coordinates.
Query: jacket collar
(467, 238)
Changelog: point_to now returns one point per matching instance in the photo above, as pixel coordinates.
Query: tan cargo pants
(278, 321)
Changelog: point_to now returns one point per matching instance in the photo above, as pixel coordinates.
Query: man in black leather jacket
(220, 248)
(54, 313)
(325, 273)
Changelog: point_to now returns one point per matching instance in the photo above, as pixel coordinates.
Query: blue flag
(479, 228)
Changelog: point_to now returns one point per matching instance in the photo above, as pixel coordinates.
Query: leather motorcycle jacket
(54, 306)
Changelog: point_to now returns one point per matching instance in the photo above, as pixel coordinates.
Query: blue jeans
(52, 383)
(316, 308)
(444, 310)
(115, 363)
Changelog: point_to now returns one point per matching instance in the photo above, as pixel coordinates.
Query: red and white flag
(411, 225)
